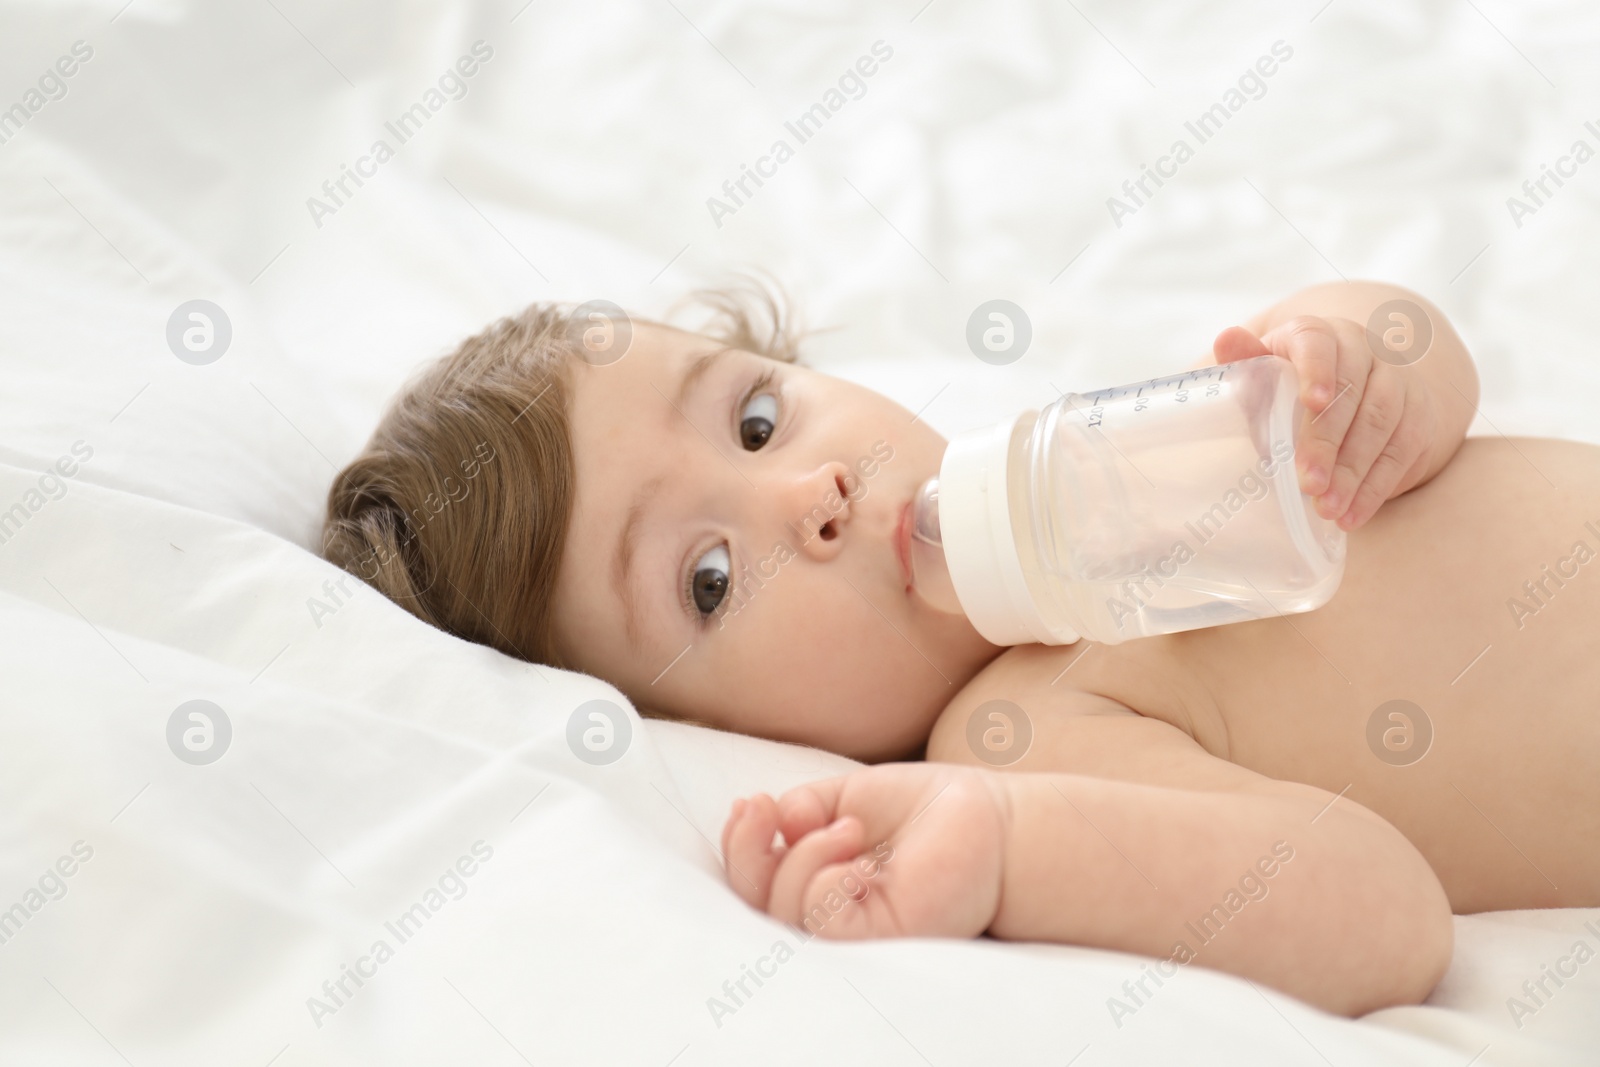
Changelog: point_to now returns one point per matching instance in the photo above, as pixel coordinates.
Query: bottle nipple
(930, 575)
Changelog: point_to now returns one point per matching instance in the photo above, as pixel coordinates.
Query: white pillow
(94, 281)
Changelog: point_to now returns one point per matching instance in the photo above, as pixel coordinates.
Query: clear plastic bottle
(1146, 509)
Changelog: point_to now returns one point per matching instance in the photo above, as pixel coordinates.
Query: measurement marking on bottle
(1179, 388)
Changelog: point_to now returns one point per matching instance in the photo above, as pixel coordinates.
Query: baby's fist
(896, 850)
(1370, 424)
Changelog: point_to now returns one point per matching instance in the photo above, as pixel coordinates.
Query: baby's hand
(896, 850)
(1371, 425)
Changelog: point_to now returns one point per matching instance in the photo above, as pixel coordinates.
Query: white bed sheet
(371, 752)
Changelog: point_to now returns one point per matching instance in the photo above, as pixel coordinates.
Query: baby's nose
(820, 507)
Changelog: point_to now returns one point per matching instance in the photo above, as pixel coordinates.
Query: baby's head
(703, 523)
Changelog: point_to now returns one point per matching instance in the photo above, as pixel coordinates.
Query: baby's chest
(1470, 606)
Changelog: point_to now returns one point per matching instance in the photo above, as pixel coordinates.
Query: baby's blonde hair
(457, 508)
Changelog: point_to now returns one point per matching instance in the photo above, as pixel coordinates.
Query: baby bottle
(1151, 508)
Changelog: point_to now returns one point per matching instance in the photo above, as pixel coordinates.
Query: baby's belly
(1452, 684)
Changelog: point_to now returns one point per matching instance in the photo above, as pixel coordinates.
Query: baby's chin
(872, 735)
(898, 714)
(898, 734)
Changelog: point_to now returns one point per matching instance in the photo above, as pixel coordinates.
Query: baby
(1301, 800)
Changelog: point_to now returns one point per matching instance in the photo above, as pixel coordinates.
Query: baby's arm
(1173, 854)
(1161, 835)
(1403, 389)
(1446, 367)
(1341, 912)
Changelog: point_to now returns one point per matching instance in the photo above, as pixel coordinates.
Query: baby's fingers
(1236, 343)
(748, 851)
(1312, 346)
(807, 807)
(1370, 452)
(1405, 449)
(841, 840)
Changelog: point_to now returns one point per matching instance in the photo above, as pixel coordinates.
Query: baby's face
(732, 554)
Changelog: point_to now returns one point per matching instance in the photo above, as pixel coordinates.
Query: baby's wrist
(1004, 788)
(1052, 857)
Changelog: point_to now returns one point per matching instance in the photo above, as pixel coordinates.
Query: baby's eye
(710, 581)
(757, 420)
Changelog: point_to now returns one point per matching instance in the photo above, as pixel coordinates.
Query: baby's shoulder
(1049, 674)
(1019, 690)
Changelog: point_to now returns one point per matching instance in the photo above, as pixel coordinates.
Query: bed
(256, 814)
